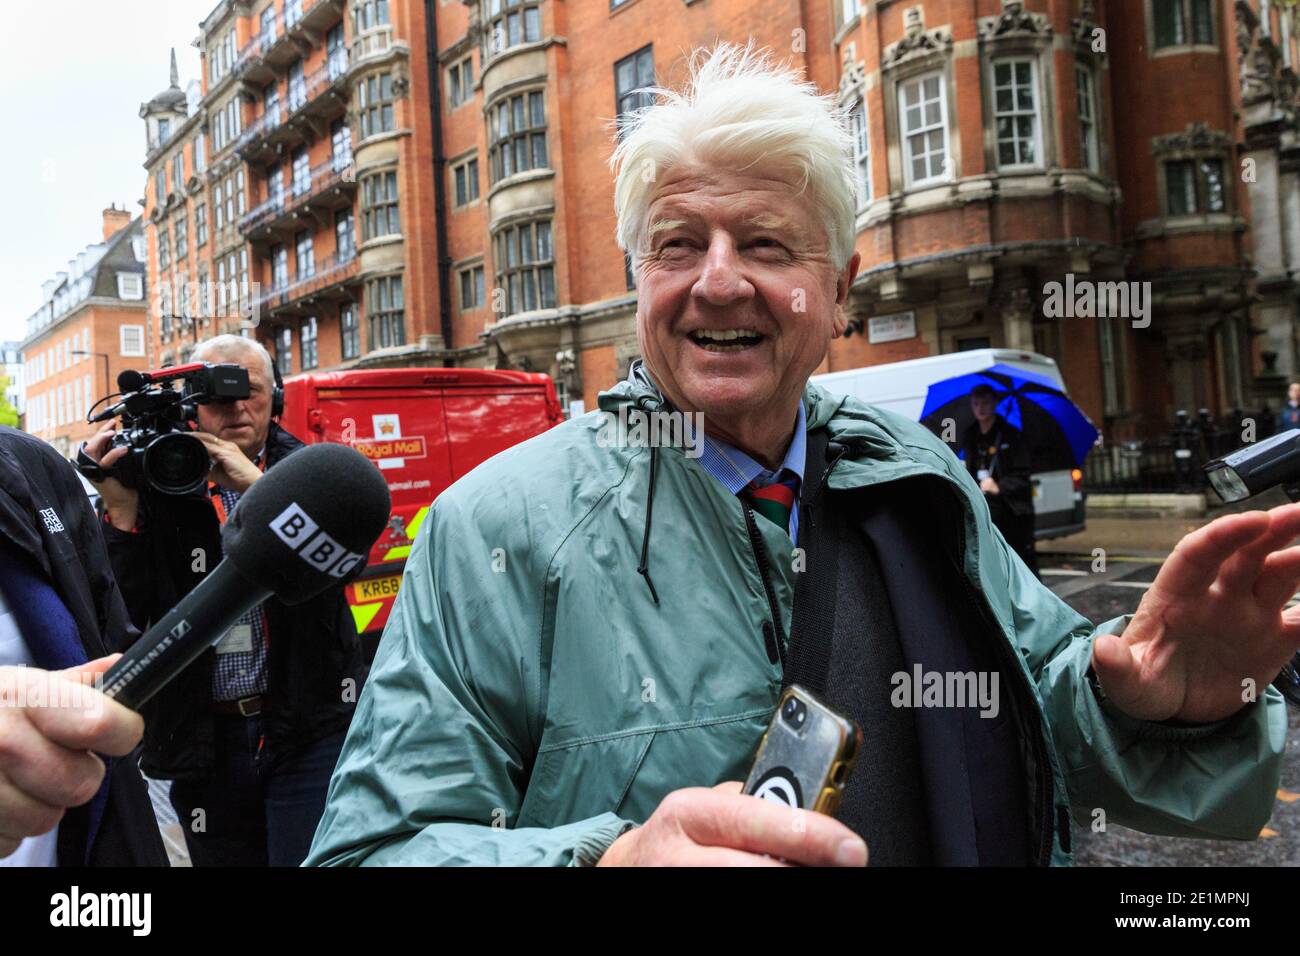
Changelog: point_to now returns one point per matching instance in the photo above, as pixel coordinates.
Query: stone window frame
(843, 23)
(1036, 87)
(391, 318)
(284, 350)
(497, 12)
(181, 240)
(349, 334)
(497, 142)
(308, 345)
(373, 200)
(852, 95)
(1149, 12)
(473, 271)
(946, 123)
(628, 100)
(1019, 34)
(1091, 158)
(471, 180)
(377, 113)
(1197, 142)
(504, 270)
(460, 81)
(919, 52)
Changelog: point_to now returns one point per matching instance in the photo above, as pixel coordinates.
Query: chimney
(115, 220)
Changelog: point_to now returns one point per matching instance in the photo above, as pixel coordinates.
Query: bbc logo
(299, 532)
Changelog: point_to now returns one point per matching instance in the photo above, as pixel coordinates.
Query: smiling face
(245, 422)
(738, 300)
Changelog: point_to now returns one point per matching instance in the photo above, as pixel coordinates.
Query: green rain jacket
(530, 701)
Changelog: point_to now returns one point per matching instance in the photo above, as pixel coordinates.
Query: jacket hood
(862, 427)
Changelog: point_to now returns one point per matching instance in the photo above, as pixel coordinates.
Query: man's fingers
(46, 771)
(759, 826)
(86, 673)
(1241, 570)
(1196, 561)
(22, 816)
(81, 718)
(113, 457)
(724, 856)
(730, 786)
(1278, 578)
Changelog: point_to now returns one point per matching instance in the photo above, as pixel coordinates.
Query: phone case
(806, 754)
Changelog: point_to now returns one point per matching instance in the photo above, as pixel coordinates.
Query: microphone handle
(200, 620)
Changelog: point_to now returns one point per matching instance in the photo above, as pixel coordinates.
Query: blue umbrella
(1058, 433)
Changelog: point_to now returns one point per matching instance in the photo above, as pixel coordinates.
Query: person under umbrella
(998, 459)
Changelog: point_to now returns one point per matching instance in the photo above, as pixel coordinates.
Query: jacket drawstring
(838, 450)
(643, 568)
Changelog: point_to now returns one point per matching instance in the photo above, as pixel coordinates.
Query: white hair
(739, 109)
(226, 346)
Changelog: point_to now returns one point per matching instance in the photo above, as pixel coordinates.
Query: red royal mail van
(423, 428)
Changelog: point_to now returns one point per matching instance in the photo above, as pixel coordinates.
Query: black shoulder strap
(812, 624)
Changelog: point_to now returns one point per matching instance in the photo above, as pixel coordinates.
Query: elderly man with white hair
(592, 634)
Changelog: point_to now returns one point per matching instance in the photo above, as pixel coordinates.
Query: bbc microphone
(303, 527)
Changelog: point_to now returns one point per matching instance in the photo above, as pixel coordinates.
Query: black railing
(1174, 463)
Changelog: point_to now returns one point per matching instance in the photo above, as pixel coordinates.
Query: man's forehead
(763, 219)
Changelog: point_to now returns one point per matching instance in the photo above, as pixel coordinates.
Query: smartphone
(806, 754)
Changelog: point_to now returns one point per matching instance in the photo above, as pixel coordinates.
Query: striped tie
(775, 501)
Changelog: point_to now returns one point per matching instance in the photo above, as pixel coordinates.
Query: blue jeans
(259, 808)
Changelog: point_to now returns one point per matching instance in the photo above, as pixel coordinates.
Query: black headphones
(277, 393)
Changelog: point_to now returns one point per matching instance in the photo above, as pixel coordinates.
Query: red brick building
(426, 182)
(90, 327)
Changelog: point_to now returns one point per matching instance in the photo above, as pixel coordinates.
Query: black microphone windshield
(129, 380)
(309, 522)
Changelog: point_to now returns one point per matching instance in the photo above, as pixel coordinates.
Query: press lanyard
(214, 491)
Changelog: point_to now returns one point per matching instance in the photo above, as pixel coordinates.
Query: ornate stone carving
(853, 76)
(1014, 20)
(917, 41)
(1085, 24)
(566, 363)
(1198, 137)
(475, 29)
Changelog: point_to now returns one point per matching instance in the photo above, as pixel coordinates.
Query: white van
(901, 388)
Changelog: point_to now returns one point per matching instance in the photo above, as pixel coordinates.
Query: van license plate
(375, 589)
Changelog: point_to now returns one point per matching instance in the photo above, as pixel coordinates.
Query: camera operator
(250, 734)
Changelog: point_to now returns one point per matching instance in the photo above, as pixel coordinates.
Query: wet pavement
(1100, 594)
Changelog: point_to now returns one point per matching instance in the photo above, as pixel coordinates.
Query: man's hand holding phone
(720, 826)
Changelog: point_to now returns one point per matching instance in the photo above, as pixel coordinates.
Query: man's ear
(844, 281)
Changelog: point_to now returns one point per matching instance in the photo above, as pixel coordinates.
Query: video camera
(155, 414)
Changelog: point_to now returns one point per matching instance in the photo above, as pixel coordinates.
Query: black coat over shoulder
(68, 550)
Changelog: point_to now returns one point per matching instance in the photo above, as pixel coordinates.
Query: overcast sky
(73, 74)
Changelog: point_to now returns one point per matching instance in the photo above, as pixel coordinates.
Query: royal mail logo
(379, 449)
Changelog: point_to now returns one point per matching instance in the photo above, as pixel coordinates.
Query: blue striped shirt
(736, 470)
